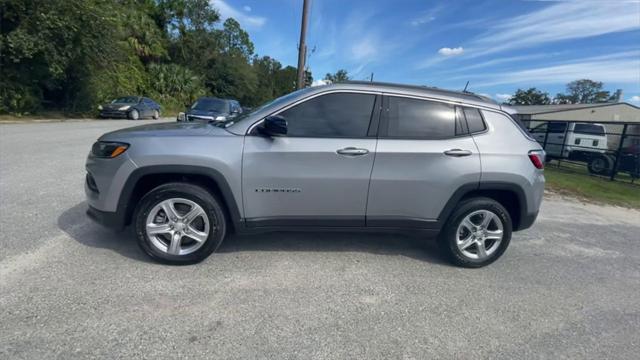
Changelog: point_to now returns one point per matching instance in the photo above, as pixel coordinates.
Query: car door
(318, 174)
(551, 135)
(425, 153)
(142, 107)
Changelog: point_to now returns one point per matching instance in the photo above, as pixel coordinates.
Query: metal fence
(607, 149)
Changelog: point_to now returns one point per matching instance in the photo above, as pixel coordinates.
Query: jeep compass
(353, 155)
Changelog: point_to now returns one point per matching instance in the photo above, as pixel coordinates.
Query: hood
(166, 129)
(212, 113)
(116, 105)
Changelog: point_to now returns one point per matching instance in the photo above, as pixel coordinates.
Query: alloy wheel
(479, 234)
(178, 226)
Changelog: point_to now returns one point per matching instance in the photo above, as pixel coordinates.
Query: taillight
(537, 159)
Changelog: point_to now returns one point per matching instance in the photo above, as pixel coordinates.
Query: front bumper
(118, 114)
(109, 219)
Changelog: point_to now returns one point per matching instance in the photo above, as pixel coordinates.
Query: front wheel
(477, 233)
(179, 223)
(134, 114)
(156, 114)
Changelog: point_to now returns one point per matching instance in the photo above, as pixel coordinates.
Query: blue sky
(497, 45)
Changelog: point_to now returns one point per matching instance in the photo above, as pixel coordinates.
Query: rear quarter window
(474, 120)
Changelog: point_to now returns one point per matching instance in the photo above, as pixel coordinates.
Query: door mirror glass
(274, 126)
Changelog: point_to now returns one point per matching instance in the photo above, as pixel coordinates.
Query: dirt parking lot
(567, 288)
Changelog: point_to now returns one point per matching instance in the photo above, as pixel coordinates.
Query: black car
(211, 109)
(131, 107)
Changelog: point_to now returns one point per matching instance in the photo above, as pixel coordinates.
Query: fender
(125, 209)
(466, 189)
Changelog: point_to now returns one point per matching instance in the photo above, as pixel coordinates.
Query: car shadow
(77, 224)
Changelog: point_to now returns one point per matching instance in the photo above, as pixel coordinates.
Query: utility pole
(371, 78)
(302, 49)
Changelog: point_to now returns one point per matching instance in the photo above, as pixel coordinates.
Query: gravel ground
(567, 288)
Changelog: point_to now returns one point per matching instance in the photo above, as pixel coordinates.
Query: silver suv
(350, 156)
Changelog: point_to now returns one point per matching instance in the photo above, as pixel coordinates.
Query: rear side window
(332, 115)
(413, 118)
(589, 129)
(474, 120)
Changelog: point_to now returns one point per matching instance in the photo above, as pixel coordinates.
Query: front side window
(413, 118)
(331, 115)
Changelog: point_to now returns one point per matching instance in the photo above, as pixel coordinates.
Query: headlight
(124, 107)
(221, 118)
(99, 107)
(181, 116)
(105, 149)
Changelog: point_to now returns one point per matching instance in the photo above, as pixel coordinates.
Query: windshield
(273, 103)
(208, 104)
(126, 100)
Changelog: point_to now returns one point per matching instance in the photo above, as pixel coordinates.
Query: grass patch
(592, 188)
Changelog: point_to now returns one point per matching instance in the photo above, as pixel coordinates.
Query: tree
(236, 41)
(531, 96)
(583, 91)
(339, 76)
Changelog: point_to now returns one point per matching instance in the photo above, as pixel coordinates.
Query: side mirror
(274, 126)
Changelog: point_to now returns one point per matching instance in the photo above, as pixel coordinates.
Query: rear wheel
(180, 223)
(134, 114)
(156, 114)
(477, 233)
(600, 165)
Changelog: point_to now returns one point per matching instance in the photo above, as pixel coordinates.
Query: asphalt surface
(567, 288)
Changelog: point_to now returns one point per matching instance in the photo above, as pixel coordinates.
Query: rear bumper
(526, 221)
(106, 218)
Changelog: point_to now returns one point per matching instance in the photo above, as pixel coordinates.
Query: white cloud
(364, 49)
(635, 98)
(422, 20)
(320, 82)
(503, 97)
(246, 8)
(228, 11)
(557, 22)
(445, 51)
(623, 68)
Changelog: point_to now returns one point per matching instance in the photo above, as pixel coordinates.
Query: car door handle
(457, 152)
(352, 151)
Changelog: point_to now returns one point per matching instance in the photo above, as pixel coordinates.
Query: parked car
(305, 161)
(573, 141)
(628, 161)
(131, 107)
(211, 109)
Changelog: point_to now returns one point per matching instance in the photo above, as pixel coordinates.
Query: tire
(156, 114)
(600, 165)
(198, 237)
(134, 114)
(455, 235)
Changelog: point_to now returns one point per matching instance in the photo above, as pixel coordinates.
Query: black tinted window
(414, 118)
(461, 123)
(588, 129)
(332, 115)
(557, 127)
(474, 120)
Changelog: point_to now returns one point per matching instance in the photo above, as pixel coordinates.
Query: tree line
(582, 91)
(72, 55)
